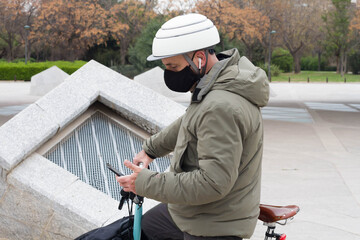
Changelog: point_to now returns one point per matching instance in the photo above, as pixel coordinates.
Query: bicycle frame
(137, 221)
(137, 215)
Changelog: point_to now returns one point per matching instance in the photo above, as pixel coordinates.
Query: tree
(296, 23)
(143, 45)
(69, 27)
(260, 24)
(272, 9)
(318, 46)
(354, 56)
(299, 27)
(127, 20)
(355, 22)
(246, 24)
(2, 48)
(337, 22)
(355, 30)
(14, 16)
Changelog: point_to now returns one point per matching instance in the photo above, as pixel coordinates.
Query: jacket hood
(237, 75)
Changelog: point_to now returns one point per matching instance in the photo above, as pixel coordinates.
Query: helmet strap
(190, 61)
(196, 69)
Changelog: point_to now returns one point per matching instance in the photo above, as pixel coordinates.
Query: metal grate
(100, 140)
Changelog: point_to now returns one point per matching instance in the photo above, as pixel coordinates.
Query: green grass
(315, 76)
(22, 71)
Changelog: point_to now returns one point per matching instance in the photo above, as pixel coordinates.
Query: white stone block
(90, 203)
(95, 74)
(64, 192)
(24, 133)
(65, 103)
(147, 109)
(38, 174)
(154, 79)
(46, 80)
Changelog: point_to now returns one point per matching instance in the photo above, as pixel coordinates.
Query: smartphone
(114, 170)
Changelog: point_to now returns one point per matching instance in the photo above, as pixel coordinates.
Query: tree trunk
(249, 51)
(266, 57)
(123, 52)
(10, 53)
(250, 54)
(72, 50)
(28, 50)
(122, 56)
(319, 61)
(297, 65)
(337, 64)
(343, 63)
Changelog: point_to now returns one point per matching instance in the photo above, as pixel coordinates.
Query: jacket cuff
(149, 155)
(141, 180)
(148, 151)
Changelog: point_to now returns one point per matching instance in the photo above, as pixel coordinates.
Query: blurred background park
(301, 40)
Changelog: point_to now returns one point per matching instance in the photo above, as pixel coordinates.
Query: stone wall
(40, 200)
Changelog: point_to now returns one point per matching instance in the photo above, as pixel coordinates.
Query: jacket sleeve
(219, 150)
(163, 142)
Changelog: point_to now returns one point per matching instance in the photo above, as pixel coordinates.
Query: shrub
(22, 71)
(330, 68)
(309, 63)
(354, 63)
(282, 58)
(275, 70)
(18, 60)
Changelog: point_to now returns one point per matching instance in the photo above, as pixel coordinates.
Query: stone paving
(311, 155)
(312, 159)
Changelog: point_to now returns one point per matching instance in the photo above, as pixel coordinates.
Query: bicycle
(270, 215)
(130, 227)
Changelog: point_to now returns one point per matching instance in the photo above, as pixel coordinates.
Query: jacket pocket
(179, 152)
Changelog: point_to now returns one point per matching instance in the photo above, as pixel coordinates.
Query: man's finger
(122, 179)
(130, 165)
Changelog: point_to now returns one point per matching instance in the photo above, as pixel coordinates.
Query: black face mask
(181, 81)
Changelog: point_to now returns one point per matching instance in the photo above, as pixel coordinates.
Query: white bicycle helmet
(184, 34)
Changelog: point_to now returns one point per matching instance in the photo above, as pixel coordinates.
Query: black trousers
(157, 224)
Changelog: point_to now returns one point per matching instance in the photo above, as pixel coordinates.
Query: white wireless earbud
(199, 63)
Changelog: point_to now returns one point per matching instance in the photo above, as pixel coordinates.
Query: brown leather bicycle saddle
(269, 213)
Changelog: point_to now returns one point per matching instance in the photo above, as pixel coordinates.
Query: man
(213, 188)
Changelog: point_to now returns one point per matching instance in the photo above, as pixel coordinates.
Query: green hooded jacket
(213, 187)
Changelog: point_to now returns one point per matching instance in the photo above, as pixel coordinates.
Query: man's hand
(128, 182)
(142, 157)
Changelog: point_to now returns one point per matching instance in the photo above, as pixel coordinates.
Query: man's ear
(201, 59)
